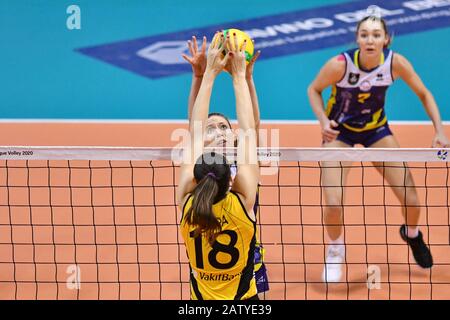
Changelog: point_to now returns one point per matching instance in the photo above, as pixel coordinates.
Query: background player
(355, 115)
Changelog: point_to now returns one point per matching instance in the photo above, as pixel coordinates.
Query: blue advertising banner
(276, 35)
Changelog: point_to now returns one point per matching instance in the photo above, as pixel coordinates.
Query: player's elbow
(312, 90)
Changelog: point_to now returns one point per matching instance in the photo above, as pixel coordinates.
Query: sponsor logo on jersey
(353, 78)
(365, 86)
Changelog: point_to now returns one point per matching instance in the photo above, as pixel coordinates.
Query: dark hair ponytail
(200, 213)
(212, 174)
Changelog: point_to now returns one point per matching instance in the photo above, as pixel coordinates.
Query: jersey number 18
(217, 247)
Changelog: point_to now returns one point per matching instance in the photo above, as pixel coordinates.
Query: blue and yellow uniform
(357, 100)
(223, 271)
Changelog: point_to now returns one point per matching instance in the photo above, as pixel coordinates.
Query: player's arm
(200, 111)
(197, 61)
(331, 73)
(253, 94)
(246, 181)
(403, 69)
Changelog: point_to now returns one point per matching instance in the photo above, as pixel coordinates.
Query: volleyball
(241, 37)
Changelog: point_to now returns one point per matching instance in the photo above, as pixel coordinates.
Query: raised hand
(249, 71)
(329, 134)
(440, 140)
(215, 62)
(237, 66)
(197, 58)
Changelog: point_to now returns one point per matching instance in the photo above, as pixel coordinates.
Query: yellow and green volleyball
(241, 36)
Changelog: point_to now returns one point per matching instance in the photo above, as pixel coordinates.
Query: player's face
(218, 132)
(372, 38)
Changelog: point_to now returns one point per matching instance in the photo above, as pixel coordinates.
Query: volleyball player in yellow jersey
(218, 225)
(355, 115)
(219, 132)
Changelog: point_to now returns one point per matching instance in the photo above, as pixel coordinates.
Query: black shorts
(366, 138)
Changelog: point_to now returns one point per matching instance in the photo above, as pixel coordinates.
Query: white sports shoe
(332, 271)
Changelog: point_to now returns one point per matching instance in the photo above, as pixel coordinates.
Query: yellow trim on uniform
(370, 125)
(356, 58)
(331, 101)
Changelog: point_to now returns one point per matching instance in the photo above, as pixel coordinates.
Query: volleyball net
(102, 223)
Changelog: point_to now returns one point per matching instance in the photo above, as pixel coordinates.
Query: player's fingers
(236, 48)
(222, 41)
(333, 123)
(327, 134)
(442, 143)
(185, 57)
(195, 46)
(228, 42)
(225, 59)
(214, 41)
(335, 132)
(204, 45)
(434, 144)
(244, 45)
(191, 51)
(327, 138)
(255, 56)
(332, 131)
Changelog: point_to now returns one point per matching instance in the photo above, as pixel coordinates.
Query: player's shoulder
(336, 64)
(186, 202)
(400, 65)
(339, 61)
(234, 197)
(399, 59)
(238, 201)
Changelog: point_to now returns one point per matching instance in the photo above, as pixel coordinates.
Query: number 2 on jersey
(362, 97)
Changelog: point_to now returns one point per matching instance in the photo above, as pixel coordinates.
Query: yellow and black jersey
(223, 271)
